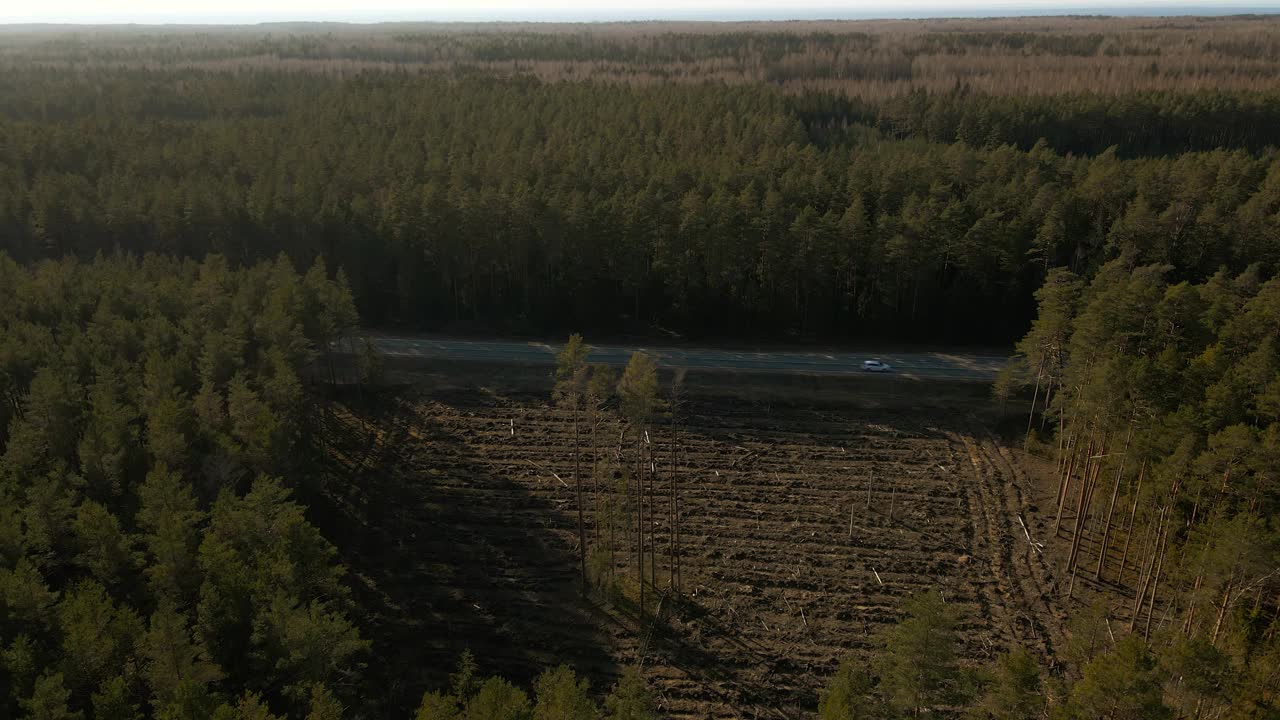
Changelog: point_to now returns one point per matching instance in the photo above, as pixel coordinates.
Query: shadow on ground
(445, 557)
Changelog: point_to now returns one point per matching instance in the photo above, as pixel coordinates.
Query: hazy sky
(160, 11)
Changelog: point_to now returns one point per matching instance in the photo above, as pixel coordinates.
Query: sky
(251, 11)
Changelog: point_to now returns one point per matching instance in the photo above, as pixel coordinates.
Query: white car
(875, 366)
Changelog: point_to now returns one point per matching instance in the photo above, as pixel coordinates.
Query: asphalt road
(925, 365)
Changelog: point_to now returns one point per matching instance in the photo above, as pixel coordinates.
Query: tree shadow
(446, 556)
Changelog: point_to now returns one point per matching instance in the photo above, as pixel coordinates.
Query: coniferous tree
(560, 695)
(1016, 691)
(637, 394)
(850, 694)
(572, 378)
(630, 698)
(917, 665)
(1119, 684)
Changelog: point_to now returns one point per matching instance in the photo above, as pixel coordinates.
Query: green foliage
(49, 700)
(438, 706)
(250, 707)
(302, 645)
(602, 385)
(27, 600)
(465, 680)
(102, 549)
(630, 698)
(850, 694)
(498, 699)
(177, 667)
(114, 701)
(638, 388)
(171, 383)
(1121, 684)
(708, 208)
(97, 635)
(562, 696)
(170, 521)
(572, 372)
(154, 412)
(917, 667)
(1163, 392)
(1200, 676)
(20, 661)
(1016, 691)
(323, 704)
(1088, 634)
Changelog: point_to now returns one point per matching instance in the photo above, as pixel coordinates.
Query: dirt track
(804, 530)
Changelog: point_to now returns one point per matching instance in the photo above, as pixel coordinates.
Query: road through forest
(920, 365)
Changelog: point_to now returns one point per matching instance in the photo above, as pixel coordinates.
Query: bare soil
(811, 509)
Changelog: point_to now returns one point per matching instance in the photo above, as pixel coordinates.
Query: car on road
(875, 366)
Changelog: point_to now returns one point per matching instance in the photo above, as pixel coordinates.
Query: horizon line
(815, 13)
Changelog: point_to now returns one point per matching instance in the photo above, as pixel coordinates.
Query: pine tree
(437, 706)
(170, 520)
(97, 636)
(1122, 684)
(49, 700)
(102, 548)
(114, 699)
(572, 378)
(178, 670)
(850, 695)
(498, 699)
(637, 393)
(630, 698)
(560, 695)
(917, 665)
(1016, 691)
(323, 705)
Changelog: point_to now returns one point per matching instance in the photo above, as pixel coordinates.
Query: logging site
(782, 524)
(692, 360)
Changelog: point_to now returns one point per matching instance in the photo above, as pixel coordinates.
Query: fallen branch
(1038, 547)
(539, 467)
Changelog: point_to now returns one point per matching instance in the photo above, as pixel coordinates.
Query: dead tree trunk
(1066, 483)
(1133, 511)
(1111, 507)
(595, 479)
(1048, 398)
(577, 480)
(1155, 588)
(671, 560)
(639, 482)
(1222, 611)
(653, 509)
(1088, 481)
(1148, 569)
(1031, 416)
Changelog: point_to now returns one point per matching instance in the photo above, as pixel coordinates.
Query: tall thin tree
(572, 376)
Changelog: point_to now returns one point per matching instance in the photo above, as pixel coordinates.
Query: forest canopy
(192, 219)
(152, 555)
(521, 205)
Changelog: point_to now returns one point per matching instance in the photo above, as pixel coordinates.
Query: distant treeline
(869, 59)
(521, 205)
(1136, 124)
